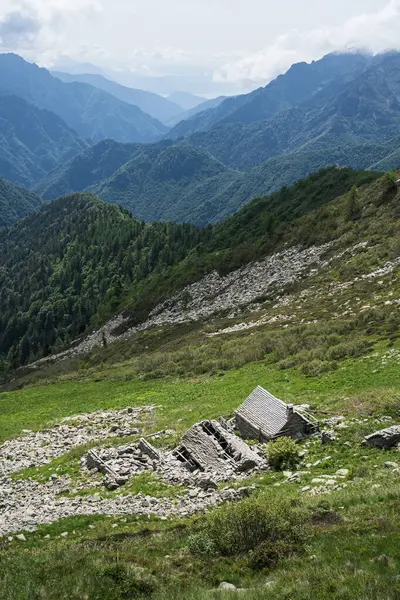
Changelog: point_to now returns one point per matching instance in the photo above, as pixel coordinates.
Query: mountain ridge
(16, 203)
(154, 105)
(91, 112)
(33, 141)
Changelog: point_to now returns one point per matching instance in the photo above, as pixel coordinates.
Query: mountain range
(91, 112)
(156, 106)
(341, 110)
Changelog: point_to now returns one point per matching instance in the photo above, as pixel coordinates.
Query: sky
(207, 47)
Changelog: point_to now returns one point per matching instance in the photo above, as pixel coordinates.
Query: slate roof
(265, 412)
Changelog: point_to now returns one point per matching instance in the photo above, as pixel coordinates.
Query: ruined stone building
(263, 417)
(208, 447)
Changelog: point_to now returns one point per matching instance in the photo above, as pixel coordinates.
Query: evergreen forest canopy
(16, 203)
(79, 260)
(67, 265)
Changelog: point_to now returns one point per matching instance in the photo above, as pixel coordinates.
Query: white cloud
(374, 32)
(41, 26)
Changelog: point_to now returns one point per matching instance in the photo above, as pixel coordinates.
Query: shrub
(201, 544)
(353, 208)
(389, 181)
(283, 454)
(316, 367)
(268, 554)
(239, 528)
(122, 582)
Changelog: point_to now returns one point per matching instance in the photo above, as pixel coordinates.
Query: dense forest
(69, 263)
(16, 202)
(79, 260)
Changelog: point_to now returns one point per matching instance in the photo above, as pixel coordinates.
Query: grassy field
(352, 548)
(366, 382)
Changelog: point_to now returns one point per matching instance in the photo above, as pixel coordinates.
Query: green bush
(316, 367)
(201, 544)
(122, 582)
(282, 454)
(389, 181)
(238, 528)
(269, 553)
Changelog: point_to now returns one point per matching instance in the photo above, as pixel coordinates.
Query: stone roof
(264, 411)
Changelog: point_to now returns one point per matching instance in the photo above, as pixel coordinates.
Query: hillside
(81, 257)
(91, 112)
(301, 82)
(74, 257)
(154, 105)
(87, 168)
(207, 194)
(32, 141)
(169, 182)
(16, 203)
(364, 111)
(185, 100)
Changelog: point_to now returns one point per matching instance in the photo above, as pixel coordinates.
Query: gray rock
(342, 472)
(391, 465)
(328, 436)
(385, 438)
(227, 586)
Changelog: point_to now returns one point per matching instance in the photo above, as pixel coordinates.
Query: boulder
(385, 438)
(328, 436)
(227, 586)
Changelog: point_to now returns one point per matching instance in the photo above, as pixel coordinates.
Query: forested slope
(69, 263)
(79, 260)
(16, 203)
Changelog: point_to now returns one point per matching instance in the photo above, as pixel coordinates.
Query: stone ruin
(210, 452)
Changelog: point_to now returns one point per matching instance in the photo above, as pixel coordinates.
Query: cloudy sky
(207, 47)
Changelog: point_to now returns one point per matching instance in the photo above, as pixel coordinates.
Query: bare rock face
(385, 438)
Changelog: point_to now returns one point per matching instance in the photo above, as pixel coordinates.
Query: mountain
(154, 105)
(168, 183)
(77, 260)
(92, 113)
(208, 104)
(16, 203)
(69, 263)
(362, 111)
(354, 121)
(301, 82)
(88, 168)
(185, 100)
(129, 175)
(32, 141)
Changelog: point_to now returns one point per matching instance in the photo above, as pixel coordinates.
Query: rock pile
(119, 464)
(213, 295)
(26, 504)
(38, 448)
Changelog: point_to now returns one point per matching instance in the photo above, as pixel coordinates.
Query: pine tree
(353, 209)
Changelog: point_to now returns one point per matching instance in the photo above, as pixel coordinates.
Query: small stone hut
(263, 417)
